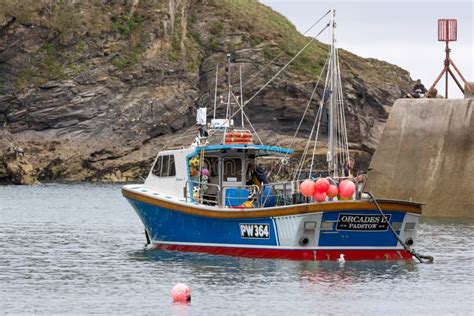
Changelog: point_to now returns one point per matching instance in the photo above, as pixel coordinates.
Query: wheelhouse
(215, 174)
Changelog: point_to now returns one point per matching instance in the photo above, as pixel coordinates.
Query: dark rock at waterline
(91, 91)
(14, 167)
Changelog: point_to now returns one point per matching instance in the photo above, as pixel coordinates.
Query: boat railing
(271, 194)
(236, 194)
(210, 196)
(279, 193)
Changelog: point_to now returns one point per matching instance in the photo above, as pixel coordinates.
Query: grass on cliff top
(266, 26)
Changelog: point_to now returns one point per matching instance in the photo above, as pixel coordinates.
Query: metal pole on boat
(215, 92)
(241, 97)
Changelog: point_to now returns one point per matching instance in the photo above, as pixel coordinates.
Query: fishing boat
(214, 197)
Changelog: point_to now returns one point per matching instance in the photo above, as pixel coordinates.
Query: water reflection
(225, 269)
(355, 272)
(78, 250)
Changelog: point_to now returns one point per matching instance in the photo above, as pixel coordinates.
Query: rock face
(93, 90)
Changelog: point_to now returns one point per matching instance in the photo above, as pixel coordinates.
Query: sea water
(79, 249)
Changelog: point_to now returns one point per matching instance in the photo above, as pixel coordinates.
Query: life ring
(239, 134)
(232, 138)
(238, 142)
(238, 139)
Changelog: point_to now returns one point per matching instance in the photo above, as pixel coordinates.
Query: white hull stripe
(275, 229)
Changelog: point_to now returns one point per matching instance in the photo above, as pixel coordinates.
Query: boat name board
(259, 231)
(362, 222)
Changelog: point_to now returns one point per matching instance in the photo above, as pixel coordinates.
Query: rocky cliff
(91, 90)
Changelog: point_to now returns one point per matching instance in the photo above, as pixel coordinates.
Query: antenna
(215, 92)
(229, 87)
(447, 32)
(241, 96)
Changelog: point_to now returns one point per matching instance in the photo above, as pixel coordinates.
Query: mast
(331, 157)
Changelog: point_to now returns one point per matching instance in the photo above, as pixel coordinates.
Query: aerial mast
(215, 92)
(227, 115)
(332, 99)
(241, 97)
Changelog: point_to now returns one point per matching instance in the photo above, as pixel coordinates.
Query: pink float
(307, 188)
(322, 185)
(346, 188)
(320, 197)
(181, 293)
(332, 191)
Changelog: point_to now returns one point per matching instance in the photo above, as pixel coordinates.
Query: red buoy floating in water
(181, 293)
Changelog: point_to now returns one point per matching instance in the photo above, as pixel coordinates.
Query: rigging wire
(284, 52)
(269, 81)
(183, 134)
(338, 155)
(284, 67)
(308, 142)
(304, 114)
(248, 120)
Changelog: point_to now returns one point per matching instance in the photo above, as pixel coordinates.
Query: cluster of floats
(217, 195)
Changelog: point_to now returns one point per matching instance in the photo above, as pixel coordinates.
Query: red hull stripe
(294, 254)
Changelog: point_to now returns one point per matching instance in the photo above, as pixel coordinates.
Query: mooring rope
(421, 258)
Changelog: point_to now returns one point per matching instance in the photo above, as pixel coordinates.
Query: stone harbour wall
(426, 154)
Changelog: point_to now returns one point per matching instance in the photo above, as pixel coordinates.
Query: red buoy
(181, 293)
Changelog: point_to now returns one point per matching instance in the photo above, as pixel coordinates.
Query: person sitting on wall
(256, 175)
(432, 94)
(418, 90)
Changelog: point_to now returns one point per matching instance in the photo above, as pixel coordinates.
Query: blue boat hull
(317, 235)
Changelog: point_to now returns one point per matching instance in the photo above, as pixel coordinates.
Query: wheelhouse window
(232, 169)
(164, 166)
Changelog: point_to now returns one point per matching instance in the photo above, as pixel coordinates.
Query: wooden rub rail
(213, 212)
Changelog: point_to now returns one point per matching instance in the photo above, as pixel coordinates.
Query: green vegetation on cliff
(263, 25)
(90, 89)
